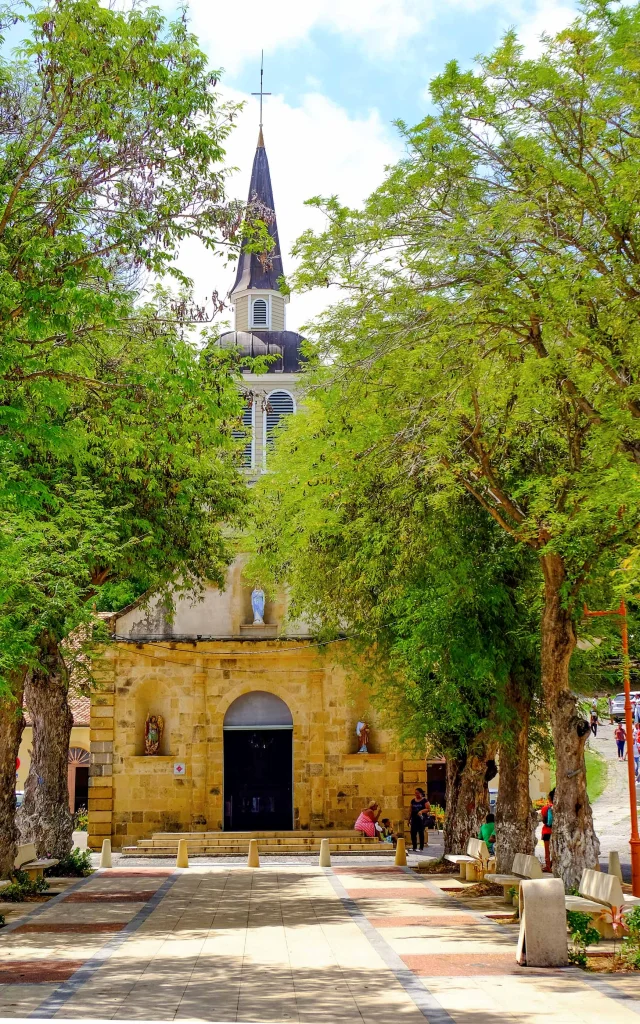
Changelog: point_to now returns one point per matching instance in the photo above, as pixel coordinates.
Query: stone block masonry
(192, 685)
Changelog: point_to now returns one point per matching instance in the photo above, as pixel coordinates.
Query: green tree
(116, 451)
(440, 609)
(493, 284)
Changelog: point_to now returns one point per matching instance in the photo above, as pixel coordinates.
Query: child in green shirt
(488, 832)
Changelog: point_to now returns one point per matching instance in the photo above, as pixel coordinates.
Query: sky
(339, 73)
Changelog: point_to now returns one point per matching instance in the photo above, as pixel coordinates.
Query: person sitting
(488, 833)
(385, 832)
(367, 819)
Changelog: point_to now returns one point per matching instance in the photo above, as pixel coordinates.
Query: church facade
(254, 724)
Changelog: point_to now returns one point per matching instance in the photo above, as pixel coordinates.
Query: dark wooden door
(258, 780)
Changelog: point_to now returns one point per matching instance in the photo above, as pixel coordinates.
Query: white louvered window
(259, 313)
(246, 432)
(279, 404)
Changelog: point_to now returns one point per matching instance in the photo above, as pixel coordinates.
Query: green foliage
(596, 774)
(583, 935)
(366, 551)
(630, 951)
(77, 862)
(81, 820)
(117, 460)
(439, 814)
(492, 289)
(23, 886)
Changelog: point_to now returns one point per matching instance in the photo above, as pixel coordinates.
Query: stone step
(301, 843)
(150, 844)
(381, 849)
(292, 834)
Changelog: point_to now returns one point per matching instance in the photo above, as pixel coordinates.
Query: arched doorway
(258, 764)
(78, 778)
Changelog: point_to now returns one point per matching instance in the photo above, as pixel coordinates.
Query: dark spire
(256, 270)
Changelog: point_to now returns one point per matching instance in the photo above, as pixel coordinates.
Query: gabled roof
(254, 272)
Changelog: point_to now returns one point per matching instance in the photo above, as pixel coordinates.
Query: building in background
(79, 757)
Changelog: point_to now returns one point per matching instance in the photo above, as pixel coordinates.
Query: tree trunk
(515, 817)
(11, 726)
(44, 818)
(467, 796)
(574, 844)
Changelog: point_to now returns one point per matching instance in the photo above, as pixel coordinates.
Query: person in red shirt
(620, 738)
(546, 813)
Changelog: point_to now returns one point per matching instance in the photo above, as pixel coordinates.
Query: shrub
(78, 863)
(583, 934)
(631, 943)
(81, 820)
(23, 886)
(439, 814)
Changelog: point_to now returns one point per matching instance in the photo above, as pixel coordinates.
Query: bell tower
(259, 311)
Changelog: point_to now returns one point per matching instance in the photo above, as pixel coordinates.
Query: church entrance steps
(350, 834)
(234, 844)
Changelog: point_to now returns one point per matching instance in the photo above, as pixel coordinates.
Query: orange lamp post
(635, 838)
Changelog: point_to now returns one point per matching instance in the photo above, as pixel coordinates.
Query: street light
(635, 838)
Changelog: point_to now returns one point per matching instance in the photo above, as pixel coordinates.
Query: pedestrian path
(285, 942)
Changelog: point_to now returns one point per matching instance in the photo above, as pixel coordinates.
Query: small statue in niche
(153, 729)
(362, 732)
(257, 604)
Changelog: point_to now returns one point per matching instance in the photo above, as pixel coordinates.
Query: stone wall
(191, 685)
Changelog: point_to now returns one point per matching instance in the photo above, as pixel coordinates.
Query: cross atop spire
(261, 94)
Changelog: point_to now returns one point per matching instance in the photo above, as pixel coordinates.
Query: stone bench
(598, 892)
(524, 868)
(27, 860)
(474, 862)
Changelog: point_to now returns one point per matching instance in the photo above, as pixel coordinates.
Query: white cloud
(548, 17)
(232, 35)
(313, 149)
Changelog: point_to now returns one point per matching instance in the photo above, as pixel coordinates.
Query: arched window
(259, 313)
(279, 404)
(258, 709)
(245, 432)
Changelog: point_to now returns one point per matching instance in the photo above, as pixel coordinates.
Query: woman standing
(420, 808)
(620, 738)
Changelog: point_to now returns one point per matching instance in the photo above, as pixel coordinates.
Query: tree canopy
(490, 291)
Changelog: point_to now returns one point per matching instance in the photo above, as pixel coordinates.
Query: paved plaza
(285, 942)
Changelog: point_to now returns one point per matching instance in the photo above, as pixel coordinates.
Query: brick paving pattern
(286, 942)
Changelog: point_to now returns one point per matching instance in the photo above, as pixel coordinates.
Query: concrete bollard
(325, 855)
(401, 853)
(105, 854)
(182, 859)
(614, 864)
(253, 858)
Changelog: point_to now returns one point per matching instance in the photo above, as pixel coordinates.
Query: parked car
(19, 797)
(617, 705)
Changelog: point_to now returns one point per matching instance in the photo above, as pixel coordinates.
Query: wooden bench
(474, 862)
(599, 891)
(27, 861)
(524, 868)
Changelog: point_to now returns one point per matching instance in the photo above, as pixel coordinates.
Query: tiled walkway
(284, 943)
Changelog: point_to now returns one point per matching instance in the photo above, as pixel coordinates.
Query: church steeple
(257, 270)
(259, 307)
